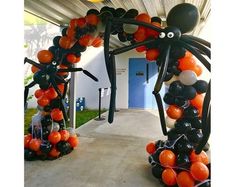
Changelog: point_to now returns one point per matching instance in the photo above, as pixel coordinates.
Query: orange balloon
(78, 59)
(199, 171)
(27, 139)
(71, 58)
(198, 70)
(56, 114)
(97, 42)
(54, 137)
(85, 40)
(152, 54)
(70, 33)
(73, 23)
(38, 93)
(45, 56)
(186, 63)
(199, 112)
(169, 176)
(188, 54)
(64, 135)
(201, 157)
(62, 73)
(151, 32)
(140, 49)
(51, 93)
(54, 152)
(150, 147)
(143, 18)
(167, 158)
(184, 179)
(174, 112)
(73, 141)
(34, 144)
(197, 101)
(65, 42)
(61, 88)
(81, 22)
(140, 34)
(43, 101)
(92, 19)
(34, 69)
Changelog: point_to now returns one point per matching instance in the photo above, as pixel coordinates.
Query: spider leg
(33, 63)
(157, 88)
(130, 47)
(206, 121)
(196, 54)
(60, 79)
(79, 69)
(65, 88)
(199, 40)
(26, 91)
(135, 22)
(113, 88)
(199, 46)
(52, 80)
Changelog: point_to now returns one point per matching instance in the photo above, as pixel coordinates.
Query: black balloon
(159, 143)
(55, 103)
(183, 161)
(64, 31)
(169, 99)
(29, 155)
(92, 11)
(119, 12)
(122, 37)
(179, 101)
(132, 13)
(156, 19)
(63, 147)
(189, 92)
(177, 52)
(196, 122)
(172, 134)
(194, 135)
(104, 16)
(56, 41)
(40, 78)
(44, 86)
(168, 76)
(157, 171)
(176, 88)
(205, 184)
(201, 86)
(46, 120)
(184, 16)
(182, 126)
(184, 147)
(45, 147)
(191, 112)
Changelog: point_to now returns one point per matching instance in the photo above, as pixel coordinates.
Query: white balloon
(170, 123)
(174, 78)
(71, 131)
(130, 29)
(188, 77)
(56, 127)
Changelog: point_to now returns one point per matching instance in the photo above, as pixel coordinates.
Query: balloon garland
(179, 160)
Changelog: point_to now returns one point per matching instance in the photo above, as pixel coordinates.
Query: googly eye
(170, 34)
(162, 35)
(54, 63)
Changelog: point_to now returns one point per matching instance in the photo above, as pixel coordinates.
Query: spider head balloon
(170, 34)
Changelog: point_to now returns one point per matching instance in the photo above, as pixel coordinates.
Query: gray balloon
(130, 29)
(188, 77)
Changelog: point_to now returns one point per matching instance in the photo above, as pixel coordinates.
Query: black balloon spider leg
(53, 83)
(206, 121)
(40, 66)
(199, 40)
(79, 69)
(158, 86)
(26, 91)
(198, 46)
(65, 88)
(135, 22)
(59, 79)
(196, 54)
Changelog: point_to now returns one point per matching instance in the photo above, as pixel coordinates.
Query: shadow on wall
(93, 61)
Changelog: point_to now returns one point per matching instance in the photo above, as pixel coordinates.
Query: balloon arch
(178, 160)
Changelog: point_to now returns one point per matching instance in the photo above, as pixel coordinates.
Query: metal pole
(72, 101)
(99, 103)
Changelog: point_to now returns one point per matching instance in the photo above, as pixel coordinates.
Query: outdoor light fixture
(95, 1)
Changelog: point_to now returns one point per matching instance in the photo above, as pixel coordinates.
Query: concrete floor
(111, 155)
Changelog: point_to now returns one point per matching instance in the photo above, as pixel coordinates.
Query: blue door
(142, 79)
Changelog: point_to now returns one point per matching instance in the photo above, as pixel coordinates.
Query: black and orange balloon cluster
(174, 160)
(48, 136)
